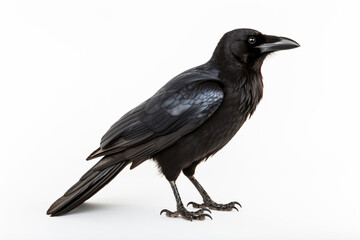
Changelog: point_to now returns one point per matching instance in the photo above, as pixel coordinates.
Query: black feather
(188, 120)
(86, 187)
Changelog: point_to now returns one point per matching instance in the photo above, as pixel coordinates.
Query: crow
(188, 120)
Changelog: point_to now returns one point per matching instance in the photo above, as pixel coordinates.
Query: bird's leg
(182, 211)
(208, 202)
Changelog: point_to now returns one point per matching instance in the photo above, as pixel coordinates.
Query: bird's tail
(89, 184)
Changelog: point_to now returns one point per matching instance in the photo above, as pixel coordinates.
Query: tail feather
(89, 184)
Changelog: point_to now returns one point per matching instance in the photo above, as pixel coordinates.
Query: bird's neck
(252, 87)
(244, 79)
(248, 85)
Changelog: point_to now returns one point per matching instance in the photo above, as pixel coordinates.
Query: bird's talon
(236, 203)
(233, 207)
(182, 212)
(195, 205)
(164, 211)
(206, 209)
(215, 206)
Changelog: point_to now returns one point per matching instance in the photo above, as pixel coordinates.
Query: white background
(69, 69)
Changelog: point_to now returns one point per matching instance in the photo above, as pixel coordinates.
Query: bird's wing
(161, 120)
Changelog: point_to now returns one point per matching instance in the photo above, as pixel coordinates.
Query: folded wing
(174, 111)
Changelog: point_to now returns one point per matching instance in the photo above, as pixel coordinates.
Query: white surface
(69, 69)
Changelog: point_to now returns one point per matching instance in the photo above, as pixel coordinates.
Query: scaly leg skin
(181, 210)
(207, 200)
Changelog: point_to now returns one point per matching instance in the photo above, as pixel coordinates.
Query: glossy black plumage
(189, 119)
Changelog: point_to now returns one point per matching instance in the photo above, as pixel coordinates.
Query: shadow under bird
(185, 122)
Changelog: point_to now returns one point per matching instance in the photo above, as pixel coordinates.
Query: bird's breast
(240, 101)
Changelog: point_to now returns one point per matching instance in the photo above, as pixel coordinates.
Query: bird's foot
(216, 206)
(182, 212)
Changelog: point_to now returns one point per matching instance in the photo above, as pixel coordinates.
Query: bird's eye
(252, 40)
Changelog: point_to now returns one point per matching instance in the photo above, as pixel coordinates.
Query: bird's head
(249, 47)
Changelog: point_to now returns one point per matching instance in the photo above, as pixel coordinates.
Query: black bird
(188, 120)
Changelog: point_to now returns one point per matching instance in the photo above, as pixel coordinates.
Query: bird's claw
(182, 212)
(236, 203)
(216, 206)
(233, 207)
(207, 215)
(206, 209)
(194, 205)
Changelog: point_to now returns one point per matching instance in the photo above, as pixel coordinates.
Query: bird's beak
(274, 43)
